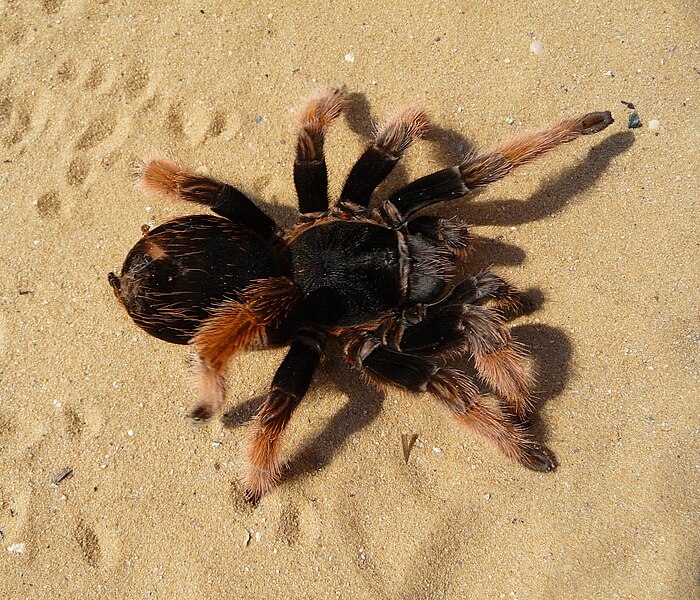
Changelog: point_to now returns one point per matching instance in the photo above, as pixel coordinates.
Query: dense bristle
(460, 396)
(401, 130)
(508, 372)
(323, 108)
(314, 118)
(212, 392)
(264, 464)
(478, 170)
(161, 176)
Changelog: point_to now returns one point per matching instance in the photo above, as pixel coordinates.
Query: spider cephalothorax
(381, 280)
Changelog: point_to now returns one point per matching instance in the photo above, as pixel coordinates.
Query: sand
(605, 231)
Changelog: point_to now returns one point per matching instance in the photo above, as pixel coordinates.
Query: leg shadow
(557, 192)
(363, 406)
(551, 351)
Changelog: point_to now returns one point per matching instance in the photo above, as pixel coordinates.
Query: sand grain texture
(606, 229)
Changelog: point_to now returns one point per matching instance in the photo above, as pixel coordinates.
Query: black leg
(379, 159)
(289, 385)
(479, 170)
(453, 234)
(454, 389)
(237, 207)
(310, 173)
(460, 324)
(162, 176)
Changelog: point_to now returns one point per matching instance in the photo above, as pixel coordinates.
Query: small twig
(407, 441)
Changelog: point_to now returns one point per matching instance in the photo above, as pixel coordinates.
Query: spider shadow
(555, 193)
(363, 406)
(448, 146)
(551, 352)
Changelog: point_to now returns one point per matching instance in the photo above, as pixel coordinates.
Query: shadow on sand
(550, 347)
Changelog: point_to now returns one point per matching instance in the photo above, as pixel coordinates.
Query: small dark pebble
(62, 474)
(259, 119)
(517, 520)
(628, 104)
(649, 418)
(217, 466)
(633, 121)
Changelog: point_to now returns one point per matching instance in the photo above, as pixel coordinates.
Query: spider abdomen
(177, 273)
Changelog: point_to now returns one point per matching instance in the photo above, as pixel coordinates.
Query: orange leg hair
(480, 169)
(383, 365)
(291, 381)
(310, 173)
(234, 327)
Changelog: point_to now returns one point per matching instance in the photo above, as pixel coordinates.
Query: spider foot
(595, 122)
(540, 459)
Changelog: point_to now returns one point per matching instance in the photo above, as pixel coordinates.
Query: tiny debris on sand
(654, 124)
(66, 473)
(633, 121)
(536, 47)
(407, 442)
(245, 537)
(15, 548)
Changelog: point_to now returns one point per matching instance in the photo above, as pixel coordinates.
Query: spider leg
(479, 170)
(290, 383)
(234, 327)
(391, 141)
(440, 331)
(451, 233)
(164, 177)
(455, 390)
(461, 324)
(310, 174)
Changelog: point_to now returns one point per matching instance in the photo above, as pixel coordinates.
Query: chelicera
(382, 280)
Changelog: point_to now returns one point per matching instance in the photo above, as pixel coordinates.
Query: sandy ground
(606, 229)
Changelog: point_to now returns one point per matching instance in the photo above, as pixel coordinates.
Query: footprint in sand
(288, 528)
(97, 131)
(95, 76)
(198, 125)
(135, 82)
(88, 542)
(66, 72)
(51, 6)
(99, 544)
(101, 139)
(17, 121)
(78, 170)
(48, 205)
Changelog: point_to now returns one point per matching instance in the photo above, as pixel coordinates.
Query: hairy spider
(381, 280)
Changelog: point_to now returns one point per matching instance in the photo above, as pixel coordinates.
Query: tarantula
(380, 280)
